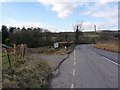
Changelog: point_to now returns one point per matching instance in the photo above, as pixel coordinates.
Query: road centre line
(93, 52)
(74, 63)
(72, 85)
(73, 72)
(74, 55)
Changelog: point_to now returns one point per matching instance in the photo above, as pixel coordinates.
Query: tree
(11, 29)
(5, 33)
(66, 37)
(23, 29)
(78, 30)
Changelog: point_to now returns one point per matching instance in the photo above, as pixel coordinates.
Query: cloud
(64, 8)
(14, 23)
(18, 0)
(8, 20)
(100, 25)
(103, 10)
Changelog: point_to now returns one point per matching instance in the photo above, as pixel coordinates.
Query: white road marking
(93, 52)
(73, 72)
(72, 85)
(108, 59)
(111, 61)
(74, 55)
(74, 63)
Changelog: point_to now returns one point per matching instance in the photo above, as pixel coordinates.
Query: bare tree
(78, 30)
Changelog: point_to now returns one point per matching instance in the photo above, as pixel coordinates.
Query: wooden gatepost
(21, 50)
(14, 51)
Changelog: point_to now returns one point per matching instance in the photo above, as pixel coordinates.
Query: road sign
(56, 45)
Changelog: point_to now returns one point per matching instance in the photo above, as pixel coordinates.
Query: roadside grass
(51, 50)
(5, 63)
(29, 72)
(108, 45)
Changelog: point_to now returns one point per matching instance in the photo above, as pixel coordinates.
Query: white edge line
(111, 61)
(108, 60)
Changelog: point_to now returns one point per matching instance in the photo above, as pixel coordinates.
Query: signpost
(56, 45)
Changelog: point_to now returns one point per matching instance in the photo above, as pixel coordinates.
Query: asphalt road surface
(87, 67)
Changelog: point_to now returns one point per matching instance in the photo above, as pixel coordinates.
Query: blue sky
(60, 16)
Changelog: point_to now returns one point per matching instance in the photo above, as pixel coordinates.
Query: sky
(60, 15)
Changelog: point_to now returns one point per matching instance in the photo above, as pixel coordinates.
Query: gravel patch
(53, 60)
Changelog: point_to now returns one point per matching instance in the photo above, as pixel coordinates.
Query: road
(87, 68)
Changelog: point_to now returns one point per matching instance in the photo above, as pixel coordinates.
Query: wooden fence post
(14, 50)
(24, 51)
(8, 57)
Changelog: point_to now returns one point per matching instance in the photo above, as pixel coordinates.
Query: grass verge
(51, 50)
(108, 45)
(5, 63)
(29, 72)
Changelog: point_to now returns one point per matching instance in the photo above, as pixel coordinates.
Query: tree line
(38, 37)
(33, 37)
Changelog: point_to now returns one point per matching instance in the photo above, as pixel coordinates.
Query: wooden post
(8, 58)
(24, 52)
(14, 51)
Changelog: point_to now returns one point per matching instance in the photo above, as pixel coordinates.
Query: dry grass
(51, 50)
(108, 45)
(29, 72)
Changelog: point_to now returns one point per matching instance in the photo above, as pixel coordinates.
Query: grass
(51, 50)
(108, 45)
(29, 72)
(93, 35)
(5, 63)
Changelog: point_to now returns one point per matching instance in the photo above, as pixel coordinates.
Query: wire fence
(10, 54)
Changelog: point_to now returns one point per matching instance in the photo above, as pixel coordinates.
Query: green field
(91, 35)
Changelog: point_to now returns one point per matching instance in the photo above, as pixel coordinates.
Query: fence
(17, 52)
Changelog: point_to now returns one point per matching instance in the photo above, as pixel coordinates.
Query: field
(91, 35)
(51, 50)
